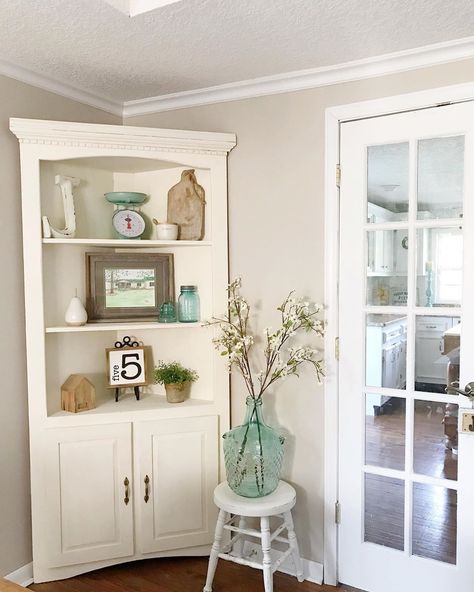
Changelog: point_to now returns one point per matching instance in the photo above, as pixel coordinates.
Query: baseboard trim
(23, 576)
(313, 571)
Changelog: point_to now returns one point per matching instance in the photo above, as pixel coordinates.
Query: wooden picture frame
(125, 286)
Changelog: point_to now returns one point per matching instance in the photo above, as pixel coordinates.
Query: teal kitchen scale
(127, 221)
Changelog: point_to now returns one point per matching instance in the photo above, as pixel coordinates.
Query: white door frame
(334, 117)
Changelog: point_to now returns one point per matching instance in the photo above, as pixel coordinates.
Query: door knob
(467, 392)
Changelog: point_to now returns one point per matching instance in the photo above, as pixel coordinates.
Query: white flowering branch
(280, 359)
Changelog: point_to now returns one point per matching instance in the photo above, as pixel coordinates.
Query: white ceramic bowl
(166, 231)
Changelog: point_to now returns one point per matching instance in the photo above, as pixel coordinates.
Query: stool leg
(239, 545)
(267, 559)
(216, 547)
(293, 542)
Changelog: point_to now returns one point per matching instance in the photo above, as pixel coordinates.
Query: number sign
(126, 366)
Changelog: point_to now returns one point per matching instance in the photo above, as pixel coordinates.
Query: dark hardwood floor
(434, 507)
(179, 575)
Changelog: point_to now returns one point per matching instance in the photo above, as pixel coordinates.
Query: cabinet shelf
(111, 242)
(96, 327)
(127, 404)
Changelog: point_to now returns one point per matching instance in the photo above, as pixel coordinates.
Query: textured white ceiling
(196, 44)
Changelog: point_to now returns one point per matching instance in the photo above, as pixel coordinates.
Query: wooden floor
(434, 507)
(178, 575)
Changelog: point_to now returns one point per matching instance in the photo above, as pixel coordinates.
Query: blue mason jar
(188, 305)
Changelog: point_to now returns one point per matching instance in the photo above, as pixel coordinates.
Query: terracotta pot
(177, 392)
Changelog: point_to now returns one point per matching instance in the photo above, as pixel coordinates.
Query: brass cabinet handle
(126, 482)
(147, 488)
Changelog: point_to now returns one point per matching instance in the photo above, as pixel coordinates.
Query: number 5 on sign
(127, 367)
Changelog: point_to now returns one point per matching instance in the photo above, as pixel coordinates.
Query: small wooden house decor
(77, 394)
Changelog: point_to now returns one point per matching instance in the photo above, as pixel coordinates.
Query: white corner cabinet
(132, 479)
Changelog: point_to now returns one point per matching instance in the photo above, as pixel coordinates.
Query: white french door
(406, 342)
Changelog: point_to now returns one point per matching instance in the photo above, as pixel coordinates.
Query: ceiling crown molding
(61, 88)
(392, 63)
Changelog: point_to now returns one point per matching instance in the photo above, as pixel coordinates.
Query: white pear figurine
(76, 314)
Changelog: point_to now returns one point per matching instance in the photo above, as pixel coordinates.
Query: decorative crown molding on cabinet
(31, 131)
(391, 63)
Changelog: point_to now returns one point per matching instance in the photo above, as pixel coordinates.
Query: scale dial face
(128, 223)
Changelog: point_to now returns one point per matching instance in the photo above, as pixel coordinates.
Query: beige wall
(19, 100)
(276, 201)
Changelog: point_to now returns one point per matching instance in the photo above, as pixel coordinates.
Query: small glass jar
(188, 305)
(167, 313)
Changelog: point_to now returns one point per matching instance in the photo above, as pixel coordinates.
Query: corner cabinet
(131, 479)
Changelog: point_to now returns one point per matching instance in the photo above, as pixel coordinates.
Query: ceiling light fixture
(135, 7)
(390, 187)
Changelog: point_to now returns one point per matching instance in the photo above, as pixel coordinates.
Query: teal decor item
(254, 451)
(128, 224)
(167, 313)
(253, 454)
(188, 305)
(121, 198)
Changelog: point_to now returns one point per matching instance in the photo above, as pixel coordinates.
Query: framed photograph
(127, 286)
(127, 366)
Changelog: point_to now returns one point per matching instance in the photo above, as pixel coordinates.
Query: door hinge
(338, 175)
(337, 513)
(336, 348)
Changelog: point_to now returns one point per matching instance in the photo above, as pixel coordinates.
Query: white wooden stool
(235, 508)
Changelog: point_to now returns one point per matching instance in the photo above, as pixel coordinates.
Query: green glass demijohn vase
(253, 454)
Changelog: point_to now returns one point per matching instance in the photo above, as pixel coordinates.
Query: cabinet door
(84, 494)
(381, 258)
(403, 364)
(180, 459)
(389, 372)
(429, 348)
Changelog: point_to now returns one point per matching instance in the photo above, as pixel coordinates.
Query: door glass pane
(387, 264)
(386, 351)
(435, 448)
(439, 266)
(434, 522)
(385, 431)
(437, 347)
(387, 182)
(440, 177)
(384, 511)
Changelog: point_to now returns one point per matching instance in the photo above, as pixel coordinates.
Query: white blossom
(280, 360)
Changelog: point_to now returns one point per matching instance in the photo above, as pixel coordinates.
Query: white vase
(76, 314)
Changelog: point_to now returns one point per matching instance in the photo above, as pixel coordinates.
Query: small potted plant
(176, 378)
